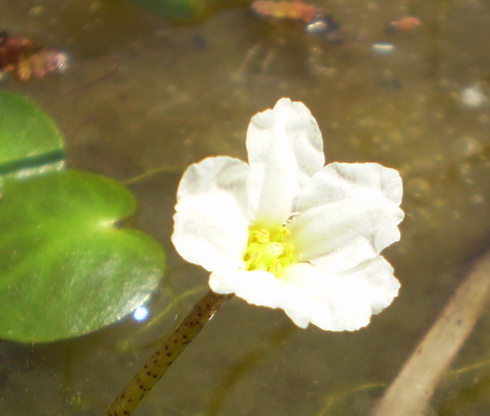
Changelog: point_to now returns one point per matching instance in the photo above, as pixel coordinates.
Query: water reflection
(143, 97)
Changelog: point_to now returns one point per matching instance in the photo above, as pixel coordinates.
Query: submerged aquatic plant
(285, 231)
(282, 231)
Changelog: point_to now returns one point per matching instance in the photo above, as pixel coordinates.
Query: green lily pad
(66, 267)
(30, 143)
(187, 10)
(174, 9)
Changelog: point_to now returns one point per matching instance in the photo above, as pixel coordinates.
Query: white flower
(285, 231)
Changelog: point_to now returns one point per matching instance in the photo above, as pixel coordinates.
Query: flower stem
(161, 359)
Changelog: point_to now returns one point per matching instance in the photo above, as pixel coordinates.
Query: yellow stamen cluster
(269, 250)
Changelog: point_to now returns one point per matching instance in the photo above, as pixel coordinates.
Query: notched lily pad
(66, 267)
(30, 143)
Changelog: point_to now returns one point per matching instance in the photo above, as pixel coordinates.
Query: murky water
(144, 96)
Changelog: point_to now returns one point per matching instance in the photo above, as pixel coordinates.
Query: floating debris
(405, 24)
(315, 20)
(28, 59)
(326, 27)
(473, 97)
(292, 10)
(383, 48)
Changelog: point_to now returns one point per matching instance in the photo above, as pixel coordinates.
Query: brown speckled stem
(159, 362)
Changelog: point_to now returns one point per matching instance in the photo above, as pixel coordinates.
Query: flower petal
(256, 287)
(285, 148)
(338, 301)
(338, 181)
(339, 235)
(351, 214)
(211, 222)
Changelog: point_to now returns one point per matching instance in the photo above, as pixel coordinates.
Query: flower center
(269, 250)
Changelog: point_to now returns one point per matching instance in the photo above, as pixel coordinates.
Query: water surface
(143, 95)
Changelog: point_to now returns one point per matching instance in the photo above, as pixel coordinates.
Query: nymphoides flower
(285, 231)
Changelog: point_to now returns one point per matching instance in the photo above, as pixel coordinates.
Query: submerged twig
(150, 173)
(410, 392)
(159, 362)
